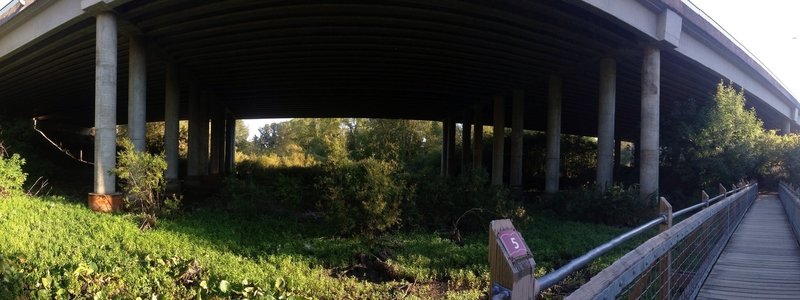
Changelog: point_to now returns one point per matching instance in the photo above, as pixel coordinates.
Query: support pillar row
(651, 81)
(553, 164)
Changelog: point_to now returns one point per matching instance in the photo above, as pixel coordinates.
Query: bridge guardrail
(696, 242)
(790, 199)
(674, 263)
(6, 11)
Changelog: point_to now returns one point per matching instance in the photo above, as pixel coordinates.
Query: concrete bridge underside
(504, 61)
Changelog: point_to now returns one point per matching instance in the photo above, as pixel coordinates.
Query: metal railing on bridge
(672, 264)
(12, 8)
(790, 198)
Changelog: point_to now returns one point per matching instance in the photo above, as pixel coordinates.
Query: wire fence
(674, 263)
(791, 203)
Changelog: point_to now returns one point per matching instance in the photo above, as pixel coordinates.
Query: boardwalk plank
(762, 259)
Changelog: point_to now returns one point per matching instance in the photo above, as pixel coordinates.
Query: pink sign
(513, 243)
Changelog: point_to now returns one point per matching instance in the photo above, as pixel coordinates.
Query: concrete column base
(105, 203)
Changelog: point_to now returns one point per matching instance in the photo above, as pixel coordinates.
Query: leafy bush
(256, 188)
(466, 202)
(142, 179)
(616, 206)
(11, 175)
(363, 196)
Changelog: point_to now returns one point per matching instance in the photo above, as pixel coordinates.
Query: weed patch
(54, 248)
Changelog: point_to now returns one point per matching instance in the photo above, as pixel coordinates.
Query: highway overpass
(594, 67)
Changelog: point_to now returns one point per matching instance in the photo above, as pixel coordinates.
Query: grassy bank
(56, 248)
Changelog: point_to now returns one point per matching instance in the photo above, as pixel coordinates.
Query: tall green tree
(719, 143)
(729, 145)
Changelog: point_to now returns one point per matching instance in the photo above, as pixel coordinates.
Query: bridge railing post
(511, 262)
(665, 266)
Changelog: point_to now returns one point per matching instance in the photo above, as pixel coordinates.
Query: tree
(729, 143)
(408, 142)
(241, 136)
(719, 143)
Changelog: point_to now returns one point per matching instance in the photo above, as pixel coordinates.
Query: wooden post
(665, 265)
(722, 189)
(511, 262)
(705, 199)
(636, 291)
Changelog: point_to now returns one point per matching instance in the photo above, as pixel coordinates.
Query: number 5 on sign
(513, 242)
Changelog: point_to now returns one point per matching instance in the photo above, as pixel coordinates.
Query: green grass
(55, 248)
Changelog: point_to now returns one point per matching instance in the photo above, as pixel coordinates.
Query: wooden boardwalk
(762, 259)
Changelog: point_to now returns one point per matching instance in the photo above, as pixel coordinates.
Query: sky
(770, 29)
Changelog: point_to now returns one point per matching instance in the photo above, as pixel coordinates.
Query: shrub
(616, 206)
(466, 202)
(11, 175)
(141, 176)
(363, 196)
(256, 188)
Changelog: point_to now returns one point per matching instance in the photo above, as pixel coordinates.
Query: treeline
(368, 175)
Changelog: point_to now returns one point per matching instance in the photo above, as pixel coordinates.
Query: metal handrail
(550, 279)
(790, 199)
(8, 6)
(11, 4)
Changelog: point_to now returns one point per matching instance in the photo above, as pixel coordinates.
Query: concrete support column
(105, 103)
(605, 123)
(787, 127)
(617, 156)
(217, 141)
(466, 142)
(651, 81)
(517, 115)
(448, 146)
(553, 165)
(198, 133)
(230, 143)
(137, 92)
(498, 133)
(477, 138)
(171, 123)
